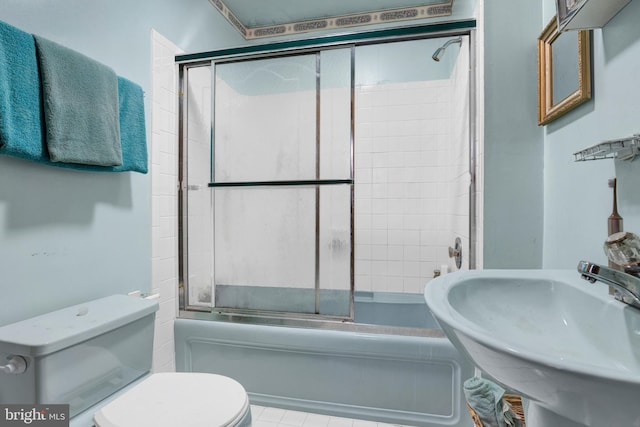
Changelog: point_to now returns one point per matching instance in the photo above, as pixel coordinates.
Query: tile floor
(275, 417)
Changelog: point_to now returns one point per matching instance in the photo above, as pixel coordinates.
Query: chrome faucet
(626, 285)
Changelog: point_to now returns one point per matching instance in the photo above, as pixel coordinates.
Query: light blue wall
(513, 143)
(542, 209)
(577, 198)
(67, 236)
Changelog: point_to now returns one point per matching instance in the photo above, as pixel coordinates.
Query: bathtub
(392, 364)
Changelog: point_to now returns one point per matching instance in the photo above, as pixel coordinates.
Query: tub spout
(627, 286)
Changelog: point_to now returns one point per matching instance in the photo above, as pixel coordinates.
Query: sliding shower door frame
(185, 62)
(318, 183)
(183, 186)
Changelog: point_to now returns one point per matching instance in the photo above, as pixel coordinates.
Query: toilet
(96, 357)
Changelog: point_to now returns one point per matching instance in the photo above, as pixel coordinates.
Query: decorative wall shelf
(621, 149)
(586, 14)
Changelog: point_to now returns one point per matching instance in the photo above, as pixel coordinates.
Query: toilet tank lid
(50, 332)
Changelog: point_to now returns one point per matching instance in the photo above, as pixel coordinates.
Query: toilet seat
(178, 399)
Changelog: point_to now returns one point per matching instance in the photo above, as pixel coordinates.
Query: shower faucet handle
(456, 252)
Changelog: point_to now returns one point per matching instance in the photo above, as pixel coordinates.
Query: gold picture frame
(572, 74)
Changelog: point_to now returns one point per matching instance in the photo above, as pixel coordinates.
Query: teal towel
(80, 99)
(133, 134)
(21, 126)
(485, 397)
(21, 122)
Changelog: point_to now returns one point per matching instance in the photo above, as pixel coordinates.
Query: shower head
(440, 51)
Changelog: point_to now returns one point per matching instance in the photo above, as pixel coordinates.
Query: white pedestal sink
(560, 341)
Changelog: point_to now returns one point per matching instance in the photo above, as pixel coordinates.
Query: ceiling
(269, 18)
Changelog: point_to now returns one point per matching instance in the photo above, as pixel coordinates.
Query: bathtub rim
(289, 321)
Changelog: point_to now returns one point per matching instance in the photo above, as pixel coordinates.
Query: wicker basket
(516, 406)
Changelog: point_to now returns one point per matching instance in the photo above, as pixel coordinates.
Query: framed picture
(564, 71)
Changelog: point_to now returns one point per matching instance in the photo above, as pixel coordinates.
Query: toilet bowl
(179, 399)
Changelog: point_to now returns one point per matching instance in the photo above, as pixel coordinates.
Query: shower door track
(306, 321)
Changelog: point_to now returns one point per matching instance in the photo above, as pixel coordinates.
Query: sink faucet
(627, 285)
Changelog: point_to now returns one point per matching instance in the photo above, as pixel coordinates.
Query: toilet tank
(79, 355)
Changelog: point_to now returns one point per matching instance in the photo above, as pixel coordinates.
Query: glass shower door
(195, 201)
(326, 170)
(281, 182)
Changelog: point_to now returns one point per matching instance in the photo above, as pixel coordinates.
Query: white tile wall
(164, 170)
(411, 181)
